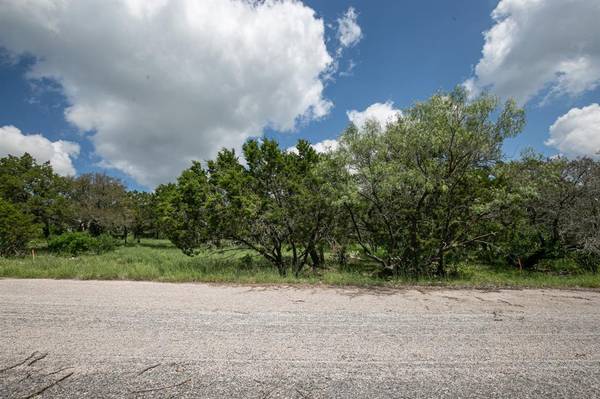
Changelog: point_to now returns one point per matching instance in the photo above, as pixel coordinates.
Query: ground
(64, 338)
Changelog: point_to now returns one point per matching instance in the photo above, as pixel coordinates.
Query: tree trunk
(294, 256)
(46, 229)
(342, 257)
(441, 267)
(315, 258)
(279, 262)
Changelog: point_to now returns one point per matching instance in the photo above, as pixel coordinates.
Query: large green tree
(182, 210)
(16, 229)
(555, 212)
(143, 214)
(101, 204)
(37, 191)
(278, 203)
(418, 188)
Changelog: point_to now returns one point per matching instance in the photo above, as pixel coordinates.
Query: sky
(140, 89)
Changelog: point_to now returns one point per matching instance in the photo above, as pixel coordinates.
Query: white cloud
(538, 45)
(349, 69)
(59, 153)
(349, 32)
(577, 133)
(383, 113)
(324, 146)
(161, 83)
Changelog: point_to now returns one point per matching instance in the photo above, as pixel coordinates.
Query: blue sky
(406, 52)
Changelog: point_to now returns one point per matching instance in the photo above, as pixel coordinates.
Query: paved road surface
(137, 339)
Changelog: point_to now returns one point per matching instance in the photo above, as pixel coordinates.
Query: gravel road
(138, 339)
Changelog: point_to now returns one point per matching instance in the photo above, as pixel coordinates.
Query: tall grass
(158, 260)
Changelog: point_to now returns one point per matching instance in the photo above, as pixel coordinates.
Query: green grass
(158, 260)
(486, 276)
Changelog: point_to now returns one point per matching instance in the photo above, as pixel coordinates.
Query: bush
(16, 229)
(577, 262)
(588, 261)
(71, 243)
(246, 262)
(77, 243)
(561, 266)
(105, 243)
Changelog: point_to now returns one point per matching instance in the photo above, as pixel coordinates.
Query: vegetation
(159, 260)
(16, 229)
(76, 243)
(427, 198)
(420, 189)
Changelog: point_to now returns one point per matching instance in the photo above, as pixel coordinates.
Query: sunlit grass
(158, 260)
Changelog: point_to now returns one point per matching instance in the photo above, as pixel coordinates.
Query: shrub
(246, 262)
(560, 266)
(16, 229)
(71, 243)
(588, 261)
(77, 243)
(105, 243)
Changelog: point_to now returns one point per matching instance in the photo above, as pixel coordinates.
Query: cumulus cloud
(322, 147)
(326, 146)
(349, 32)
(383, 113)
(577, 133)
(160, 83)
(539, 45)
(59, 153)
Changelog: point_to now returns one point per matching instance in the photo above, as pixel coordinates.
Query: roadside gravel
(63, 338)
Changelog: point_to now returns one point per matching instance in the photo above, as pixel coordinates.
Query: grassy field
(158, 260)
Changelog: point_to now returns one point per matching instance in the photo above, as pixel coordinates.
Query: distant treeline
(415, 197)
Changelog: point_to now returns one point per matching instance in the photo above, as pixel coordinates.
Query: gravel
(63, 338)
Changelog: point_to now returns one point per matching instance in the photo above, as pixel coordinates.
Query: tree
(16, 229)
(183, 209)
(144, 216)
(309, 203)
(278, 204)
(417, 189)
(36, 190)
(163, 195)
(584, 219)
(557, 210)
(247, 204)
(101, 204)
